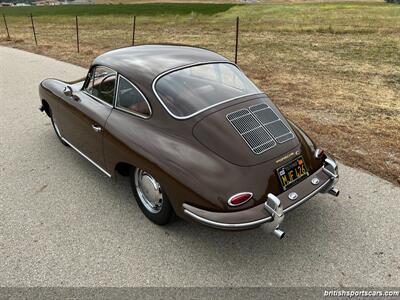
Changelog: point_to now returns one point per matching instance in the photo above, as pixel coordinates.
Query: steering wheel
(107, 88)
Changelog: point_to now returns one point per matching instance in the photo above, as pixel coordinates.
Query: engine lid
(247, 133)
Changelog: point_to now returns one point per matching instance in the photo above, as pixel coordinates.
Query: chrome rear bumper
(273, 208)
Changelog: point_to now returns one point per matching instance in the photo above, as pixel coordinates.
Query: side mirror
(68, 91)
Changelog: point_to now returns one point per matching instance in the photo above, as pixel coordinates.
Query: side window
(102, 83)
(131, 99)
(89, 85)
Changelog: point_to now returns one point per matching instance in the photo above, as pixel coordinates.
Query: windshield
(188, 91)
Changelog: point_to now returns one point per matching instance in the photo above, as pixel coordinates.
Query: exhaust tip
(279, 233)
(334, 192)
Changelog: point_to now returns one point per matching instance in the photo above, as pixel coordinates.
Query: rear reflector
(240, 198)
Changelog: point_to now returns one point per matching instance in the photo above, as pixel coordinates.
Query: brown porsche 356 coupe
(198, 139)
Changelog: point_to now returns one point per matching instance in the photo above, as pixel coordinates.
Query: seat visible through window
(131, 99)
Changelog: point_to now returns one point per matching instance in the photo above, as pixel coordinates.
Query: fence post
(133, 30)
(237, 39)
(5, 23)
(77, 33)
(33, 29)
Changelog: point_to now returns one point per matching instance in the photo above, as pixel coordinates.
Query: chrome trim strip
(77, 150)
(153, 86)
(226, 225)
(253, 223)
(129, 111)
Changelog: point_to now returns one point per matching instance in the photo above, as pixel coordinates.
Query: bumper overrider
(271, 213)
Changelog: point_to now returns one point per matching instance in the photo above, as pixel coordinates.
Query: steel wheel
(149, 191)
(151, 198)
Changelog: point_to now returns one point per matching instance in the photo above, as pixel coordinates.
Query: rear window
(188, 91)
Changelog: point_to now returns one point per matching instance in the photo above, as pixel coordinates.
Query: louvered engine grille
(254, 134)
(260, 127)
(270, 120)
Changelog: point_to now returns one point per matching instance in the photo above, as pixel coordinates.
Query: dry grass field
(333, 68)
(223, 1)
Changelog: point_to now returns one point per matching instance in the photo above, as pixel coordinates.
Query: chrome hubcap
(149, 191)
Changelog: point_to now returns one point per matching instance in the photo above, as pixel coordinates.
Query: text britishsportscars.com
(361, 293)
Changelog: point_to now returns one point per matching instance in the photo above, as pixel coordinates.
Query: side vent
(254, 134)
(260, 127)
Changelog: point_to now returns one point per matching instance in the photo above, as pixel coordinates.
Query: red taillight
(318, 153)
(240, 198)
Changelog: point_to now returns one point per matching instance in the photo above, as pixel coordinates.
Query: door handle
(97, 128)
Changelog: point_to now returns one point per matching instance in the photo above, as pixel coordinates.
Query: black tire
(56, 130)
(164, 215)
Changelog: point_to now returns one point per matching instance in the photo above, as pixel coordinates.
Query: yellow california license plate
(292, 173)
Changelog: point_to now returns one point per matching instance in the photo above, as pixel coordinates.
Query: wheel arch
(46, 108)
(122, 168)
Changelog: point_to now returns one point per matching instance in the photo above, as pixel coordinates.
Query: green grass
(149, 9)
(333, 68)
(339, 13)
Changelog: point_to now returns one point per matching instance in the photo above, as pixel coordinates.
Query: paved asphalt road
(63, 223)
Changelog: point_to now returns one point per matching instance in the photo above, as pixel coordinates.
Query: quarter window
(101, 83)
(131, 99)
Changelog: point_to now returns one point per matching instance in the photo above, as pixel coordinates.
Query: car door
(84, 116)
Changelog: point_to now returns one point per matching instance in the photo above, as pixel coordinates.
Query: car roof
(143, 63)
